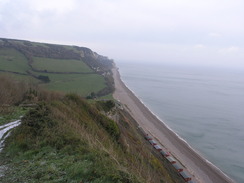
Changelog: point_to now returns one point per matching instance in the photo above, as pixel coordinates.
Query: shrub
(106, 105)
(38, 119)
(44, 78)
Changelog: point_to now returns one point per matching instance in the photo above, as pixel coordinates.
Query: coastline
(201, 169)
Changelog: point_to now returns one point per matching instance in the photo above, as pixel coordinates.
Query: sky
(201, 32)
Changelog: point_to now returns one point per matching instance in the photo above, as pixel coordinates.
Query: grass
(50, 165)
(25, 78)
(82, 84)
(65, 139)
(48, 147)
(107, 97)
(58, 65)
(39, 44)
(20, 42)
(12, 60)
(71, 48)
(15, 114)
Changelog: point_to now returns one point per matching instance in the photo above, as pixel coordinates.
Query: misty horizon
(190, 32)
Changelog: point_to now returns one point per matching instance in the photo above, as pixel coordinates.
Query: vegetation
(12, 60)
(20, 78)
(11, 92)
(105, 105)
(80, 84)
(13, 113)
(62, 138)
(45, 79)
(57, 67)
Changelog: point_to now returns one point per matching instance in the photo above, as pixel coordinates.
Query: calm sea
(204, 106)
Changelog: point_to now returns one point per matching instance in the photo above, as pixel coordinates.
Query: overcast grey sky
(177, 31)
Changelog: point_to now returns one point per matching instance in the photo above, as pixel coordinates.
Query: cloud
(213, 34)
(199, 46)
(230, 50)
(139, 29)
(59, 6)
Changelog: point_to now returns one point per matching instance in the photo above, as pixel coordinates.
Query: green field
(82, 84)
(71, 48)
(68, 75)
(58, 65)
(12, 60)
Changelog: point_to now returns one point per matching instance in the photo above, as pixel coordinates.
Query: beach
(200, 169)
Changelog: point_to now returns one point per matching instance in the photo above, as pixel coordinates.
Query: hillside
(57, 67)
(62, 138)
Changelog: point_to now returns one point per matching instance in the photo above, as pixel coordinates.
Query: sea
(203, 105)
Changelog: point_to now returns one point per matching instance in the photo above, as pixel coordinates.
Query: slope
(57, 67)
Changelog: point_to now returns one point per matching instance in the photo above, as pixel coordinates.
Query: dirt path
(4, 132)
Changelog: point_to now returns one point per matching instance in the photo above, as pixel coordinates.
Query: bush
(44, 78)
(106, 105)
(38, 119)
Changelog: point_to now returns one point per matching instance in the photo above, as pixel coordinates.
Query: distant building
(171, 159)
(148, 137)
(153, 142)
(157, 147)
(178, 167)
(185, 176)
(164, 153)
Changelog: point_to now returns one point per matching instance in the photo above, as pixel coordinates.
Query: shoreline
(201, 169)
